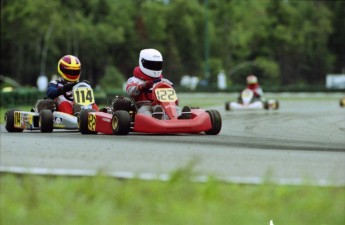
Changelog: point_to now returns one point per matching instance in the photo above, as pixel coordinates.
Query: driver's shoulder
(135, 80)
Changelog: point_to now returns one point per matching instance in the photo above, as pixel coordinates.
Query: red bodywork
(103, 122)
(200, 120)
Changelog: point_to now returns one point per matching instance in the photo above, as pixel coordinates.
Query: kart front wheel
(121, 122)
(271, 104)
(342, 102)
(227, 106)
(83, 122)
(9, 120)
(46, 121)
(216, 121)
(277, 105)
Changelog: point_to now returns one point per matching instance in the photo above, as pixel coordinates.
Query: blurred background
(289, 45)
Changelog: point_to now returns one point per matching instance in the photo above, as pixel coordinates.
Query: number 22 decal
(92, 122)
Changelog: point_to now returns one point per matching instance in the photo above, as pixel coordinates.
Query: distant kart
(248, 101)
(124, 117)
(342, 102)
(43, 116)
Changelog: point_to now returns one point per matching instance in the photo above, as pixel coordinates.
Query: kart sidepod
(46, 121)
(121, 123)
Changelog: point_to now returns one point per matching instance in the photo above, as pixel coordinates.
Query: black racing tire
(83, 121)
(277, 105)
(9, 121)
(266, 105)
(46, 121)
(342, 102)
(227, 106)
(121, 122)
(216, 121)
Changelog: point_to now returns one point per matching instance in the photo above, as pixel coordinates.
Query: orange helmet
(69, 67)
(251, 79)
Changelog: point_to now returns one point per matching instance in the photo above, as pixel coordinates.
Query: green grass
(103, 200)
(2, 114)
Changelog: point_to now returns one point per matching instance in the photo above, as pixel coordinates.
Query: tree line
(282, 42)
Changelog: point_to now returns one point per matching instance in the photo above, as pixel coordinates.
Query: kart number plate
(166, 94)
(83, 96)
(247, 94)
(22, 120)
(17, 120)
(92, 122)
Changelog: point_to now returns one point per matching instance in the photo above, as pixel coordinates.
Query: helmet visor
(152, 65)
(70, 72)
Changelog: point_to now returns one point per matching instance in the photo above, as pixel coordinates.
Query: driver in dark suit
(60, 90)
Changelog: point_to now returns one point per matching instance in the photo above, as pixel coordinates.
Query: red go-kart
(122, 120)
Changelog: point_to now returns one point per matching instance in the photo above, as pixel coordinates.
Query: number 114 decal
(83, 96)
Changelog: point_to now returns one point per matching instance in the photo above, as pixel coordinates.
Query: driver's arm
(135, 87)
(54, 91)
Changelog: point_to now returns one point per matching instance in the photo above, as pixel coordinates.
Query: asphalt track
(302, 142)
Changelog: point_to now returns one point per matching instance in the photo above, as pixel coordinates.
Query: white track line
(161, 177)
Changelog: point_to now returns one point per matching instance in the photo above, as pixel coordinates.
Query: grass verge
(32, 200)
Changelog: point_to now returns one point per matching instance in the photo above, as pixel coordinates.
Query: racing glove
(68, 87)
(145, 86)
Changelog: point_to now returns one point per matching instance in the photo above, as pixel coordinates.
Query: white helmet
(151, 62)
(251, 79)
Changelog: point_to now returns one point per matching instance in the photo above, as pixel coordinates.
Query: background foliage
(282, 42)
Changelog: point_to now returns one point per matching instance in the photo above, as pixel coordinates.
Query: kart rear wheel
(9, 121)
(121, 122)
(216, 121)
(227, 106)
(83, 121)
(271, 104)
(46, 121)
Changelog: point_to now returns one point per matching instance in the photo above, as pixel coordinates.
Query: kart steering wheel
(68, 97)
(157, 80)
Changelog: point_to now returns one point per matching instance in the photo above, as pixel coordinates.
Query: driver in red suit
(60, 90)
(139, 87)
(253, 84)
